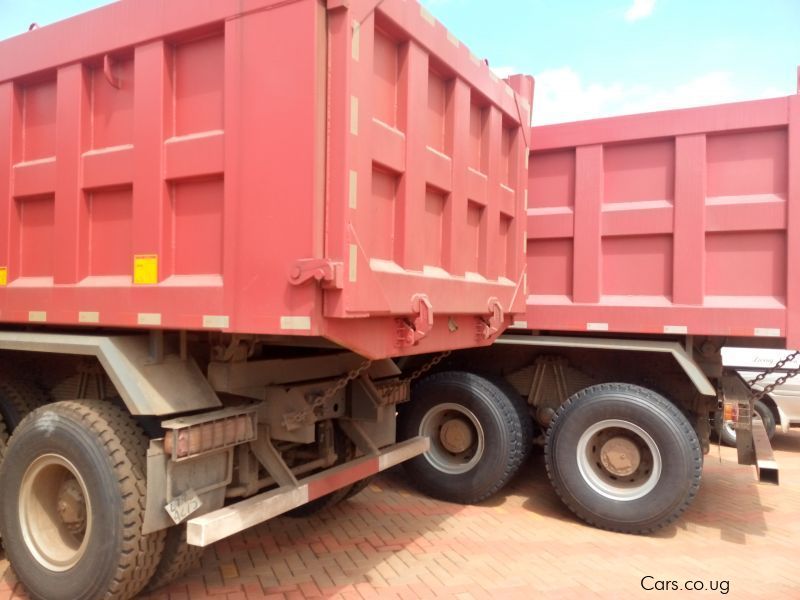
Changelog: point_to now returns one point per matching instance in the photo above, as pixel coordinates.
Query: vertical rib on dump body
(679, 222)
(337, 169)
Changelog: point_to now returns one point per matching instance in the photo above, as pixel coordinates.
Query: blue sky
(595, 58)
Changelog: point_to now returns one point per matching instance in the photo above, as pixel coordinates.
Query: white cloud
(503, 72)
(562, 95)
(640, 9)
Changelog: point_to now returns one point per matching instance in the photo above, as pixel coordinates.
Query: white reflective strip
(474, 58)
(676, 329)
(88, 317)
(216, 321)
(402, 452)
(519, 325)
(427, 15)
(452, 39)
(353, 269)
(37, 316)
(356, 48)
(149, 319)
(597, 327)
(354, 115)
(766, 332)
(353, 189)
(221, 523)
(296, 323)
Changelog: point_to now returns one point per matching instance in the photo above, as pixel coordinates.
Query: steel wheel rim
(41, 513)
(729, 429)
(615, 486)
(439, 456)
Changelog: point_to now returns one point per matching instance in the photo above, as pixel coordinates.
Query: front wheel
(73, 504)
(623, 458)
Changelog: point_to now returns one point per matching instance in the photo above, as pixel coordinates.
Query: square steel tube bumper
(214, 526)
(766, 465)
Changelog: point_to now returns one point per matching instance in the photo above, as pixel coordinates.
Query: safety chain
(298, 418)
(388, 391)
(757, 395)
(427, 366)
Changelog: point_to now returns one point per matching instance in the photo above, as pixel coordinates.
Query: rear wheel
(3, 442)
(623, 458)
(18, 398)
(73, 522)
(176, 560)
(345, 451)
(478, 437)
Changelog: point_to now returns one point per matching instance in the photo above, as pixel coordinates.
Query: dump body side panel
(679, 222)
(188, 165)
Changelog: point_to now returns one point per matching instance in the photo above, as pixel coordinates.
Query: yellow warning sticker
(145, 269)
(3, 275)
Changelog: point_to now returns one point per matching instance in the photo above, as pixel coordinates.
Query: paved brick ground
(389, 542)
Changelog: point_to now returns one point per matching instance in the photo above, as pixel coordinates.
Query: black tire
(657, 495)
(520, 404)
(177, 559)
(727, 435)
(358, 487)
(18, 398)
(345, 451)
(3, 439)
(476, 473)
(767, 417)
(105, 447)
(3, 443)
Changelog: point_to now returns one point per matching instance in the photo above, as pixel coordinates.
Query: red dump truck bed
(305, 168)
(677, 222)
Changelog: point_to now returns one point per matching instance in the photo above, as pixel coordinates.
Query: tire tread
(177, 559)
(126, 449)
(510, 416)
(677, 417)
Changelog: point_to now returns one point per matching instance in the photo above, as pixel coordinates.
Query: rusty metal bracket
(494, 324)
(327, 272)
(411, 333)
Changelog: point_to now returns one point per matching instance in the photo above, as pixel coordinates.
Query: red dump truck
(219, 222)
(652, 241)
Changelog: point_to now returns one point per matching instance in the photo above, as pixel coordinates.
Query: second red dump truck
(652, 241)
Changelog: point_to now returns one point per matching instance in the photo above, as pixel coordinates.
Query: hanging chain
(426, 367)
(757, 395)
(297, 419)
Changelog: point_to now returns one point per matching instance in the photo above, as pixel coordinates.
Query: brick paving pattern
(390, 542)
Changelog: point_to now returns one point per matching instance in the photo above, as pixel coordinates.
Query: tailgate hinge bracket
(494, 324)
(422, 313)
(325, 271)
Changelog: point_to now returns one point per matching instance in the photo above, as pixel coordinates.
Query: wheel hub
(456, 436)
(620, 456)
(55, 512)
(72, 506)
